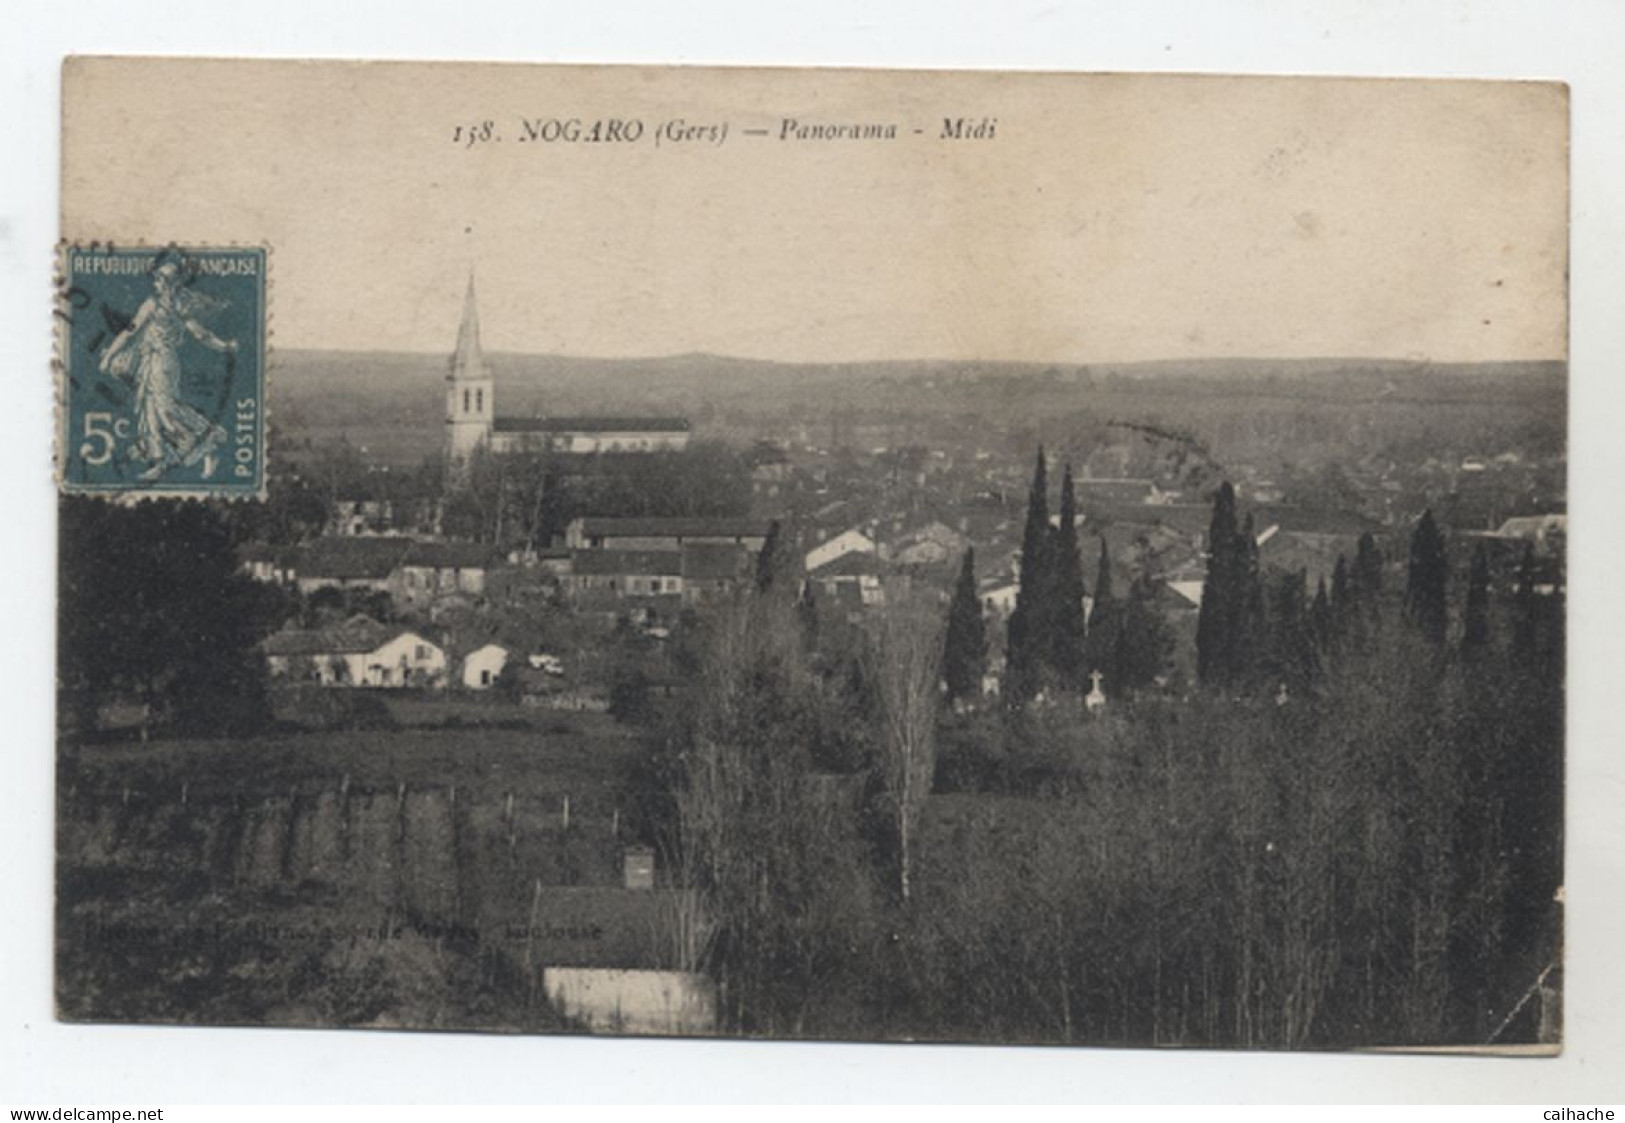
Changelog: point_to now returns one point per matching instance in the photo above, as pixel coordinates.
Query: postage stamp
(162, 370)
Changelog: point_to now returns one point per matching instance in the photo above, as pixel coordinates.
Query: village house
(351, 517)
(624, 574)
(274, 565)
(770, 473)
(852, 541)
(851, 581)
(410, 570)
(712, 571)
(698, 572)
(935, 543)
(360, 652)
(350, 563)
(999, 598)
(1545, 531)
(483, 665)
(437, 569)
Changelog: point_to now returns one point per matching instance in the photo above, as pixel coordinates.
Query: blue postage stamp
(162, 370)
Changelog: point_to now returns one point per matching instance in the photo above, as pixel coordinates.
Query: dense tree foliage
(964, 658)
(1427, 578)
(1047, 636)
(1227, 596)
(1101, 642)
(1475, 635)
(154, 612)
(1031, 626)
(1067, 639)
(778, 569)
(1142, 644)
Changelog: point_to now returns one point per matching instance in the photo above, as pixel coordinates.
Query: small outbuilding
(483, 665)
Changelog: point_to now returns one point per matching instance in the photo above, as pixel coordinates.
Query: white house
(1000, 600)
(482, 666)
(359, 652)
(846, 542)
(407, 659)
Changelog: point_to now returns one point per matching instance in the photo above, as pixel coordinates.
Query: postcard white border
(1571, 40)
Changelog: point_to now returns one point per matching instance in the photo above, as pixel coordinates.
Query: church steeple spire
(470, 390)
(468, 361)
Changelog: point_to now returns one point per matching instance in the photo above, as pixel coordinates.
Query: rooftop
(674, 528)
(590, 425)
(345, 558)
(356, 636)
(715, 561)
(350, 559)
(619, 563)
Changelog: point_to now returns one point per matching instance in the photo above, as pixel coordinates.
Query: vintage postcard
(874, 556)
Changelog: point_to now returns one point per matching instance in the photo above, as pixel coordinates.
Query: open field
(332, 878)
(440, 746)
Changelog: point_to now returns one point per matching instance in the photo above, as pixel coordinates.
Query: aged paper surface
(870, 555)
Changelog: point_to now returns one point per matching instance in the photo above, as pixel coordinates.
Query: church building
(472, 421)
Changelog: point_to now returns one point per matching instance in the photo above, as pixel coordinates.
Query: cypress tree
(1143, 641)
(1067, 652)
(1323, 623)
(774, 562)
(1100, 645)
(1343, 606)
(1426, 580)
(1526, 612)
(1476, 619)
(807, 616)
(1367, 572)
(1030, 628)
(1291, 656)
(965, 644)
(1219, 621)
(1253, 642)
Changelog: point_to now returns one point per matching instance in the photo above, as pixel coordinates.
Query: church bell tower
(470, 390)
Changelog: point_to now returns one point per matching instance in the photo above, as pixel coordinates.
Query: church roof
(591, 425)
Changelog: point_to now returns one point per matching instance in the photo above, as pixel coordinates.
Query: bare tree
(907, 669)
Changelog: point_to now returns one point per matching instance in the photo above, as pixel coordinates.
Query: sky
(1109, 218)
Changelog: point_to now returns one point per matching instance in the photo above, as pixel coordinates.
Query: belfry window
(465, 401)
(479, 401)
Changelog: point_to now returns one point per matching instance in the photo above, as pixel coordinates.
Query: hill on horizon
(393, 402)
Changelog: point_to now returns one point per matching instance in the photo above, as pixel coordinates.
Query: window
(479, 401)
(422, 652)
(465, 401)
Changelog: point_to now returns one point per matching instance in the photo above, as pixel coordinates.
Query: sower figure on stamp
(168, 430)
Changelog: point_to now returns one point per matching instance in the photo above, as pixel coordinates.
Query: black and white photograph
(813, 554)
